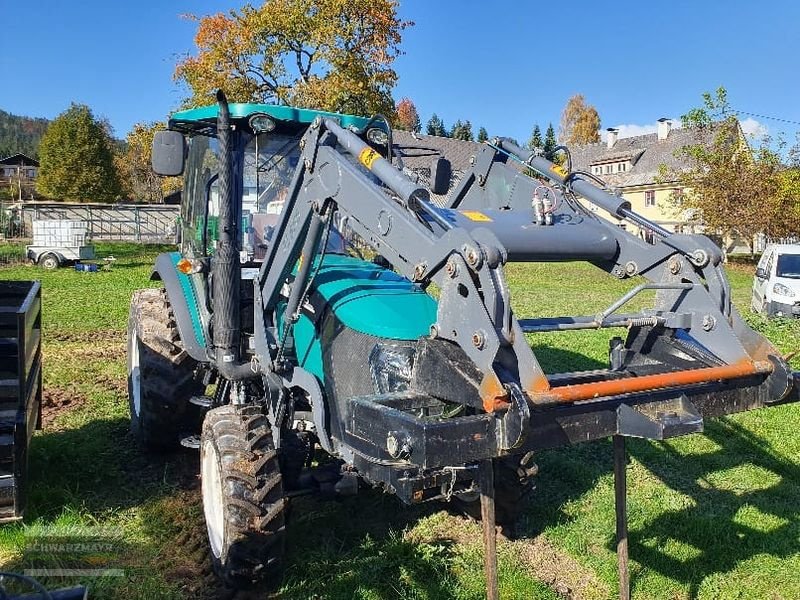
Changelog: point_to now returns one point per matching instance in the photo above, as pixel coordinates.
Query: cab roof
(204, 119)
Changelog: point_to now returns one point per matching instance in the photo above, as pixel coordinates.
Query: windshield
(788, 266)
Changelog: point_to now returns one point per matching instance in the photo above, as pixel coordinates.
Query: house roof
(19, 159)
(418, 151)
(646, 152)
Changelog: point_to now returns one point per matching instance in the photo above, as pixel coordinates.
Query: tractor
(321, 301)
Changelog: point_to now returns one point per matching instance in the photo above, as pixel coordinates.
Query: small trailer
(20, 388)
(59, 242)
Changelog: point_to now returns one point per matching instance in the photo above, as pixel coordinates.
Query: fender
(183, 299)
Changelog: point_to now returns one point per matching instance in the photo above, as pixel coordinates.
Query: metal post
(486, 474)
(620, 504)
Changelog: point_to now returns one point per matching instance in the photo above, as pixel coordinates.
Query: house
(18, 166)
(642, 170)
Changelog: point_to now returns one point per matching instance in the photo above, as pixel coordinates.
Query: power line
(749, 114)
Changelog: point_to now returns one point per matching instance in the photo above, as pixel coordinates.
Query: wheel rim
(135, 375)
(49, 262)
(213, 506)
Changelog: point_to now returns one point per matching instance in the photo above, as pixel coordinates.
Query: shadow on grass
(355, 547)
(730, 520)
(98, 467)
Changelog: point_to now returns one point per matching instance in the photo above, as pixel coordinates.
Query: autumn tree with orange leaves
(325, 54)
(407, 117)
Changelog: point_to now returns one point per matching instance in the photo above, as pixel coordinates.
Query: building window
(622, 167)
(608, 169)
(650, 198)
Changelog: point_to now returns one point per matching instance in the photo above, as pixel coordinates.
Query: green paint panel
(191, 299)
(373, 300)
(280, 113)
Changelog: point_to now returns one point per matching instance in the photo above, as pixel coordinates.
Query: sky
(502, 64)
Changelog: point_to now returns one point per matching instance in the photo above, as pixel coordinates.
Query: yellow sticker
(368, 156)
(560, 170)
(474, 215)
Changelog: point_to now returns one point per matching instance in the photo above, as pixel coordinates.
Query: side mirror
(169, 153)
(761, 273)
(441, 172)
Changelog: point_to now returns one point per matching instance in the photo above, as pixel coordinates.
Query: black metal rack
(20, 388)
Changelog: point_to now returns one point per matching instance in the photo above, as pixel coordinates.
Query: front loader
(321, 301)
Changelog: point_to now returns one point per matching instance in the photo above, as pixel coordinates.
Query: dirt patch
(540, 558)
(557, 569)
(109, 335)
(115, 385)
(56, 401)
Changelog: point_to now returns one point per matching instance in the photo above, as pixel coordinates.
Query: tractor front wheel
(243, 499)
(161, 375)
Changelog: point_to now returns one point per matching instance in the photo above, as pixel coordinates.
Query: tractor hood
(372, 300)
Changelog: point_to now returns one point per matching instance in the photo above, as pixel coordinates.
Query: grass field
(711, 516)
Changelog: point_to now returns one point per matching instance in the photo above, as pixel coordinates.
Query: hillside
(20, 134)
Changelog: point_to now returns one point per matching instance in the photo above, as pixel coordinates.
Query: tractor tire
(243, 499)
(161, 375)
(513, 483)
(49, 261)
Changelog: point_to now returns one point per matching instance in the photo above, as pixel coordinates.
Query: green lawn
(711, 516)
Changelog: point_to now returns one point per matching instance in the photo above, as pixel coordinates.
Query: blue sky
(502, 64)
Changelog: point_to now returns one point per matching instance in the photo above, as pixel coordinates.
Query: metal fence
(124, 222)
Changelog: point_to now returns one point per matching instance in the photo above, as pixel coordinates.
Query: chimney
(664, 126)
(611, 137)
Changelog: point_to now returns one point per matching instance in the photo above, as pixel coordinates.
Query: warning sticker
(560, 170)
(474, 215)
(368, 156)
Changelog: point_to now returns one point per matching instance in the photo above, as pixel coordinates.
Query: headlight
(782, 290)
(377, 136)
(391, 367)
(261, 123)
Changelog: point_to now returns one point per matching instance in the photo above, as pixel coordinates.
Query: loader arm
(692, 339)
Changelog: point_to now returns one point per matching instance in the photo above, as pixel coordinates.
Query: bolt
(481, 179)
(302, 143)
(700, 258)
(451, 269)
(419, 271)
(478, 339)
(308, 164)
(674, 266)
(709, 323)
(472, 159)
(434, 331)
(631, 268)
(473, 257)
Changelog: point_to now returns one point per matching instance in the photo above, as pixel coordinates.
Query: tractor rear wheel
(161, 375)
(243, 499)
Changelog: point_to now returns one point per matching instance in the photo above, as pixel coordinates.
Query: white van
(776, 287)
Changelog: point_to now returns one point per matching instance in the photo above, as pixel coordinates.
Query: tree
(436, 126)
(76, 155)
(483, 135)
(536, 138)
(549, 142)
(462, 131)
(407, 117)
(133, 164)
(732, 187)
(580, 123)
(324, 54)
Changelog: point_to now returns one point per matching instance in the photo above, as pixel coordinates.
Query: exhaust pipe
(225, 267)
